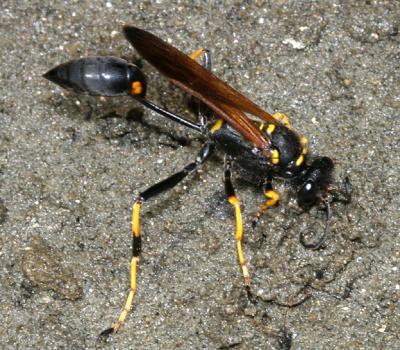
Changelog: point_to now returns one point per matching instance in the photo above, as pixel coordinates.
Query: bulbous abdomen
(98, 75)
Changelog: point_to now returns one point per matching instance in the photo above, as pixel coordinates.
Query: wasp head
(314, 181)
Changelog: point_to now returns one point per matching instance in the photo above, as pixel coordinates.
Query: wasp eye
(307, 195)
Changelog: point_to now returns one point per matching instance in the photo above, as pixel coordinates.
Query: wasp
(261, 144)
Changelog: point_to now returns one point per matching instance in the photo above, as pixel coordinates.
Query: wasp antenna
(317, 245)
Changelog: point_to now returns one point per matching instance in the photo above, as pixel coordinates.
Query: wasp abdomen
(99, 75)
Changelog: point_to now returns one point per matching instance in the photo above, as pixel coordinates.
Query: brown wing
(228, 103)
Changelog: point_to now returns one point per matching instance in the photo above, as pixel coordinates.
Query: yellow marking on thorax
(300, 160)
(217, 125)
(304, 142)
(274, 156)
(136, 88)
(197, 53)
(282, 118)
(271, 128)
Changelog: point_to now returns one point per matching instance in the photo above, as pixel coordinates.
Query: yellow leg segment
(152, 191)
(134, 265)
(131, 295)
(272, 199)
(239, 238)
(135, 219)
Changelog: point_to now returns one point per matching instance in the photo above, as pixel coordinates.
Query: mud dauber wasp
(264, 145)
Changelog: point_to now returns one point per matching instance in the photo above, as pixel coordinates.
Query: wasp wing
(233, 116)
(186, 73)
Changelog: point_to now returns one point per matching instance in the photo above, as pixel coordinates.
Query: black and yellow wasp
(264, 145)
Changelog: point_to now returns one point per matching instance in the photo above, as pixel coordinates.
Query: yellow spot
(271, 129)
(275, 156)
(197, 53)
(261, 127)
(282, 118)
(300, 160)
(304, 142)
(217, 125)
(136, 88)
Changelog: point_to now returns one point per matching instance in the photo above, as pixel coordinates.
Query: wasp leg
(230, 192)
(272, 199)
(151, 192)
(203, 111)
(168, 114)
(173, 116)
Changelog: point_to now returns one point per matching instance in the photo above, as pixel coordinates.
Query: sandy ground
(71, 166)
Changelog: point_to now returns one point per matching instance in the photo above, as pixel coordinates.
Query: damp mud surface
(72, 165)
